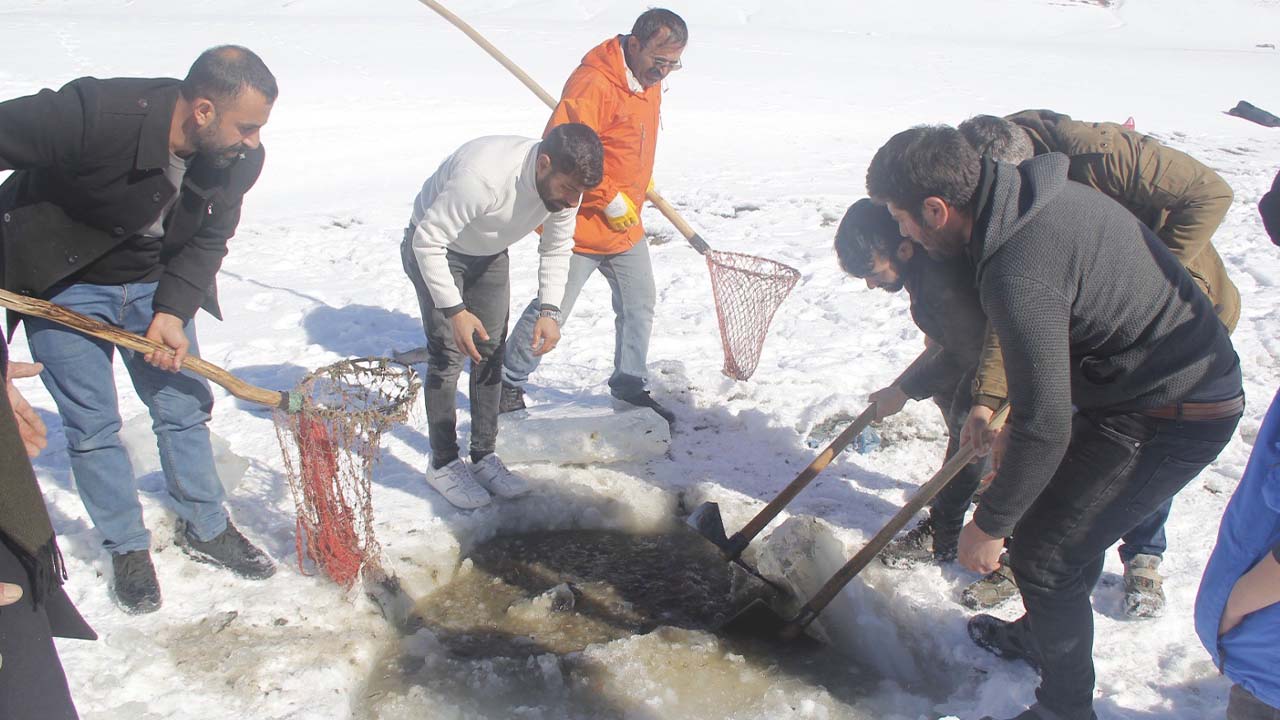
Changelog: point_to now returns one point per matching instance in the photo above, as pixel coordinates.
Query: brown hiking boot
(991, 590)
(1143, 587)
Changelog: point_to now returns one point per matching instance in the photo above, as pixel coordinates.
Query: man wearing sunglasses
(616, 91)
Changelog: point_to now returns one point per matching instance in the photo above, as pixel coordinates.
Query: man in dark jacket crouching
(1091, 310)
(123, 196)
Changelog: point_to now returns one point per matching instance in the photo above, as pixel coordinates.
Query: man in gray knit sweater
(1091, 311)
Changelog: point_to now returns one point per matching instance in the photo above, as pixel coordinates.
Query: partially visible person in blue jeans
(124, 194)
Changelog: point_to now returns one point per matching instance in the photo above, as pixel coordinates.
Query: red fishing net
(748, 291)
(329, 450)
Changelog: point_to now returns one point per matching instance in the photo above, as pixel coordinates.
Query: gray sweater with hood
(1091, 309)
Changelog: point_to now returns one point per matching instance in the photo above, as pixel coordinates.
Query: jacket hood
(1012, 195)
(608, 59)
(1042, 126)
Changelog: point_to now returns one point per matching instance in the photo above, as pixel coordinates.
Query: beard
(544, 191)
(219, 156)
(939, 245)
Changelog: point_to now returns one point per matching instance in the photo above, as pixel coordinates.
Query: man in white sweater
(490, 193)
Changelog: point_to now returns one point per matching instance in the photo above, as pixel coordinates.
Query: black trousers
(1117, 470)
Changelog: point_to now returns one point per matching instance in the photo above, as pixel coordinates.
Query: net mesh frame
(330, 448)
(748, 291)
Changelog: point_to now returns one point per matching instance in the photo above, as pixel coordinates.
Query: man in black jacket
(1091, 310)
(945, 306)
(123, 196)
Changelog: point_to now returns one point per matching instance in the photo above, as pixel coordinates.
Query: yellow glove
(621, 213)
(651, 188)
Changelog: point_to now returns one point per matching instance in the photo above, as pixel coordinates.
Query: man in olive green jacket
(1175, 195)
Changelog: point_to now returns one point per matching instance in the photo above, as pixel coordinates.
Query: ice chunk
(859, 620)
(579, 433)
(140, 443)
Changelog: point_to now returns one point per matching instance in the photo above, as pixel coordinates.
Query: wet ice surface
(602, 624)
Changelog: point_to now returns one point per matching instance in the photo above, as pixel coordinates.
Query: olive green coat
(1175, 195)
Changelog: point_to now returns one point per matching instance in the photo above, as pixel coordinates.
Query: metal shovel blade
(757, 619)
(707, 521)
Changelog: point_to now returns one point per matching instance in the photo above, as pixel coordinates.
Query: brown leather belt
(1198, 411)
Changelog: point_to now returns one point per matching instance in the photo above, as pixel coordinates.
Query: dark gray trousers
(1242, 705)
(486, 292)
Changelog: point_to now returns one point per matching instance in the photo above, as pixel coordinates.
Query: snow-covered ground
(766, 136)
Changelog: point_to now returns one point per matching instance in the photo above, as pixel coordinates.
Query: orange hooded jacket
(597, 95)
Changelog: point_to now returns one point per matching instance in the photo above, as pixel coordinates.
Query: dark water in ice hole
(630, 637)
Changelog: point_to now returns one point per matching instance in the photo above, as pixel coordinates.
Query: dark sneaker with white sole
(135, 586)
(229, 549)
(641, 398)
(919, 545)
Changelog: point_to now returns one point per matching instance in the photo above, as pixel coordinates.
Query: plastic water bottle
(868, 441)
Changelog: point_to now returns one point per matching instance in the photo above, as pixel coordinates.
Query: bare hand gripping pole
(287, 401)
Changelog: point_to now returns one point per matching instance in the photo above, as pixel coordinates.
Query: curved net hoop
(748, 291)
(329, 450)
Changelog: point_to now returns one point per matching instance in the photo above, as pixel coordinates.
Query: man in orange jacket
(617, 91)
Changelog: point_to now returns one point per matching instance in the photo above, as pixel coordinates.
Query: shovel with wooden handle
(759, 619)
(706, 518)
(289, 402)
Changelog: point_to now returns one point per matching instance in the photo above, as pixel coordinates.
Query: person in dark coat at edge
(123, 196)
(1091, 310)
(33, 606)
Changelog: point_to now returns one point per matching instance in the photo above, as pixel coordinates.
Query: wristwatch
(550, 313)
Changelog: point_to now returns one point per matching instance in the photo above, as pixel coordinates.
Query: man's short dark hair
(925, 161)
(222, 73)
(866, 228)
(575, 150)
(1001, 139)
(653, 20)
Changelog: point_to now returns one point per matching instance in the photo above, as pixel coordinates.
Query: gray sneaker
(991, 590)
(135, 586)
(1143, 587)
(512, 398)
(228, 549)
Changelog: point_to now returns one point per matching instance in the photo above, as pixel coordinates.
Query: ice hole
(605, 623)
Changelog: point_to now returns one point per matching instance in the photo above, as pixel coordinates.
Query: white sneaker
(491, 473)
(455, 482)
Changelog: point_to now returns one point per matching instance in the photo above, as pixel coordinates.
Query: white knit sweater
(481, 200)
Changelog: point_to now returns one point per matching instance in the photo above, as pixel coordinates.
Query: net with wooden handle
(237, 387)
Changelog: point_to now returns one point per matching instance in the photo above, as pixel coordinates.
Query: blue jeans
(630, 277)
(78, 373)
(1117, 471)
(1147, 538)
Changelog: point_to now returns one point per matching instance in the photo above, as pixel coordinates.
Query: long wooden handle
(658, 201)
(891, 528)
(748, 533)
(89, 326)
